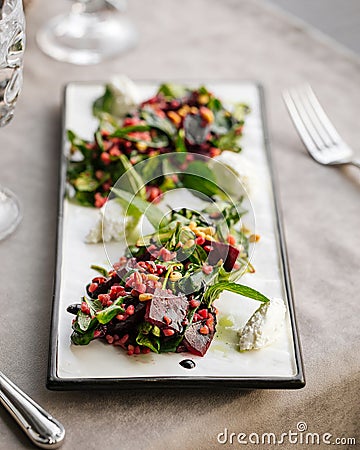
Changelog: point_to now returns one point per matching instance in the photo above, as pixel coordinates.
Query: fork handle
(42, 429)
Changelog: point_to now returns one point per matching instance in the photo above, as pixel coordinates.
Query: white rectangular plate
(104, 366)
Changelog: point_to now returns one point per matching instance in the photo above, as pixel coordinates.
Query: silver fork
(316, 131)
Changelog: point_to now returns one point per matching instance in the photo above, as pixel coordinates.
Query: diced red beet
(228, 253)
(196, 342)
(171, 306)
(129, 324)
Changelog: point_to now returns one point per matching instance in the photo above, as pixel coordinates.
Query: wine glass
(92, 31)
(12, 45)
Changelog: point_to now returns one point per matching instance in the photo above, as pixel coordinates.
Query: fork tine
(312, 112)
(322, 117)
(297, 120)
(303, 115)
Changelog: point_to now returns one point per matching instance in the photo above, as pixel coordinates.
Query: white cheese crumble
(109, 226)
(126, 95)
(264, 325)
(244, 169)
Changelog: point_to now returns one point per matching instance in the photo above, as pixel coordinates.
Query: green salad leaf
(213, 292)
(134, 204)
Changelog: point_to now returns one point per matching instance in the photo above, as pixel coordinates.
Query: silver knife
(42, 429)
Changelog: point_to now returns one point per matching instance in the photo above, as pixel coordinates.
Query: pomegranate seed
(105, 133)
(214, 152)
(123, 339)
(153, 194)
(130, 350)
(166, 254)
(115, 152)
(109, 303)
(99, 174)
(99, 200)
(129, 121)
(130, 310)
(105, 158)
(194, 303)
(116, 292)
(204, 330)
(207, 269)
(93, 287)
(200, 240)
(207, 248)
(107, 145)
(85, 308)
(209, 321)
(106, 186)
(110, 339)
(120, 317)
(167, 320)
(97, 334)
(236, 266)
(99, 280)
(168, 332)
(137, 350)
(196, 317)
(104, 298)
(203, 313)
(145, 350)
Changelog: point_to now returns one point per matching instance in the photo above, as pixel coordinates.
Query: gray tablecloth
(205, 40)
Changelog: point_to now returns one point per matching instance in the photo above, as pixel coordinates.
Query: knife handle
(42, 429)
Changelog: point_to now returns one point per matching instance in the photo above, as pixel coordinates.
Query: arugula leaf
(104, 103)
(131, 179)
(151, 169)
(147, 338)
(84, 198)
(171, 344)
(172, 91)
(85, 182)
(229, 141)
(83, 320)
(195, 280)
(82, 339)
(160, 123)
(124, 131)
(75, 140)
(101, 270)
(199, 177)
(99, 140)
(110, 312)
(214, 291)
(94, 305)
(180, 141)
(240, 111)
(154, 215)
